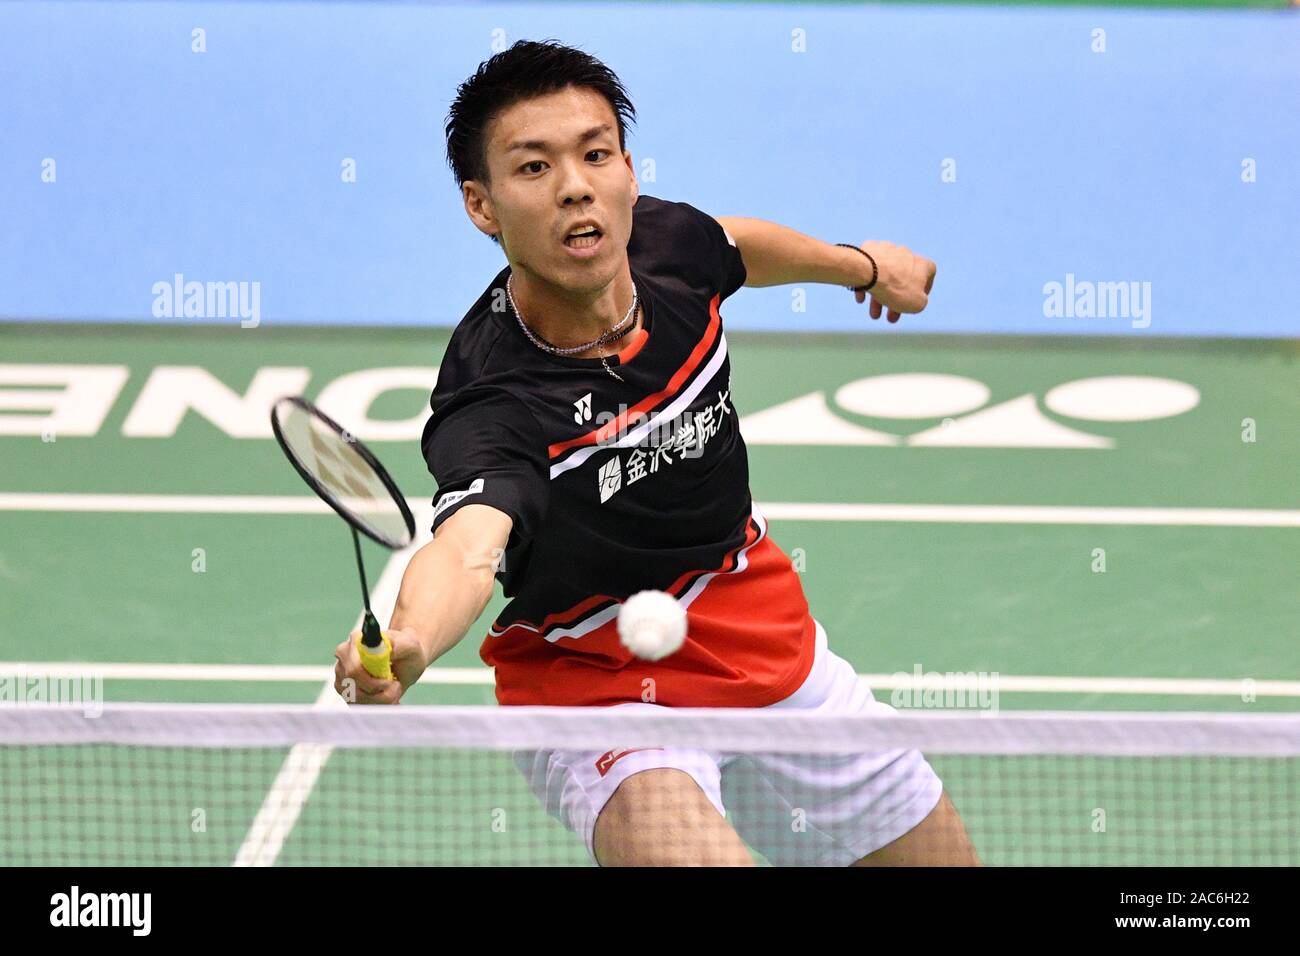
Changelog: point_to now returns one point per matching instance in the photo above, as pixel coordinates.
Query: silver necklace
(608, 335)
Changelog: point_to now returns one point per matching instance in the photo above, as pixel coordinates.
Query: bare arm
(446, 586)
(777, 255)
(450, 580)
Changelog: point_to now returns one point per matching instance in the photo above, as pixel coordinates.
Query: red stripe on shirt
(643, 407)
(634, 346)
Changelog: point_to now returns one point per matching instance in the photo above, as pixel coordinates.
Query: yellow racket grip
(378, 662)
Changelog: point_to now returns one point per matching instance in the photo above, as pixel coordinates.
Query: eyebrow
(542, 146)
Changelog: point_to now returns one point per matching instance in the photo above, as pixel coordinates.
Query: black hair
(529, 68)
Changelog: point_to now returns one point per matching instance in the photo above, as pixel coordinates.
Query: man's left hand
(903, 280)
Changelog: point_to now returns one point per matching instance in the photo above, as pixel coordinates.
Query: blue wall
(225, 166)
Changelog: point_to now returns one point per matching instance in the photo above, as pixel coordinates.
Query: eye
(598, 151)
(527, 167)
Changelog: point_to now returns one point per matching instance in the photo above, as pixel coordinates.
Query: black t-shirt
(615, 486)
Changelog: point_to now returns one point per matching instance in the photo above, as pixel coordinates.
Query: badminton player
(585, 445)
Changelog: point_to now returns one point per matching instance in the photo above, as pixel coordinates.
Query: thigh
(578, 788)
(938, 840)
(662, 817)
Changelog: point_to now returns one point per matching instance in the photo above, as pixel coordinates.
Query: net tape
(732, 730)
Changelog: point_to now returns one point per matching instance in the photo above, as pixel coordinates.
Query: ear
(478, 206)
(631, 170)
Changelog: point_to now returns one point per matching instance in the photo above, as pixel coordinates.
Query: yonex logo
(960, 415)
(583, 409)
(610, 478)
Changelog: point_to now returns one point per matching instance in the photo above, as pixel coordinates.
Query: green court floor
(1165, 556)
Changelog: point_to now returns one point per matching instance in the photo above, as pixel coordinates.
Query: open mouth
(582, 240)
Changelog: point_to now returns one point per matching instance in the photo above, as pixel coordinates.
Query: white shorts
(796, 810)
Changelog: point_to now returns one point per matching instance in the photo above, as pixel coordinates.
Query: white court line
(789, 511)
(286, 798)
(264, 673)
(1009, 683)
(57, 670)
(1035, 514)
(482, 676)
(177, 504)
(304, 763)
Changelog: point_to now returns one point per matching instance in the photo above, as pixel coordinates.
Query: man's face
(555, 164)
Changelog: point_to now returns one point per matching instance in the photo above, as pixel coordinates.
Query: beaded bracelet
(875, 274)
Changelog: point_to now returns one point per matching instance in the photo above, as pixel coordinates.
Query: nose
(574, 185)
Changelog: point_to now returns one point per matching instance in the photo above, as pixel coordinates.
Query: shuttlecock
(652, 625)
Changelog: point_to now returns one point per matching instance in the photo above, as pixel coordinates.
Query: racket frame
(366, 455)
